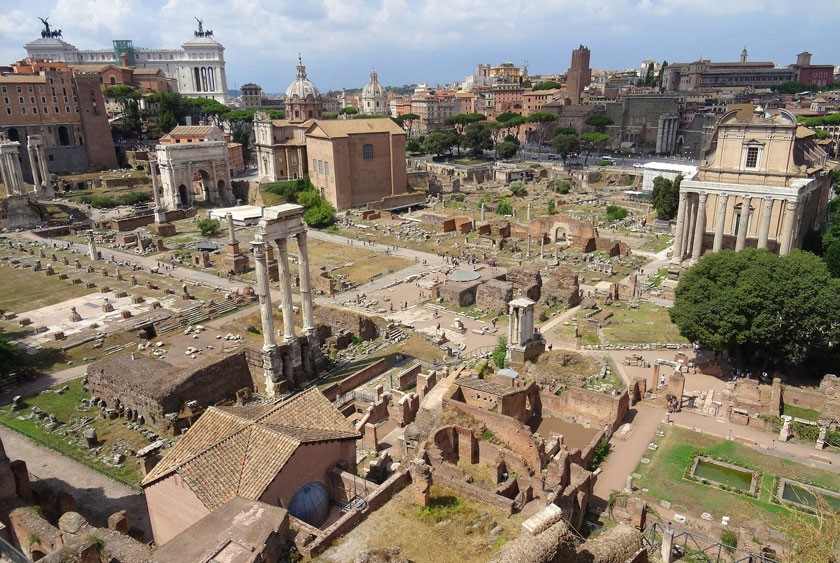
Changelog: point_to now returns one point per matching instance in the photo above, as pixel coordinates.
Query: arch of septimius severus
(764, 183)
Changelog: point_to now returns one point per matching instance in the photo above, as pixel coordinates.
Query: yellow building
(763, 183)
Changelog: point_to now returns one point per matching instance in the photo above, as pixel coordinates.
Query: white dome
(373, 89)
(302, 86)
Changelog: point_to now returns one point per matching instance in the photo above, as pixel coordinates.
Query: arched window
(197, 79)
(63, 136)
(367, 151)
(113, 81)
(14, 136)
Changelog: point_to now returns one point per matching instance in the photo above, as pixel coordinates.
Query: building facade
(579, 75)
(195, 167)
(198, 66)
(374, 101)
(303, 100)
(764, 183)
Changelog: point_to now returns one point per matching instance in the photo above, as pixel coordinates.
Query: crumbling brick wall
(561, 286)
(583, 405)
(527, 282)
(366, 327)
(493, 296)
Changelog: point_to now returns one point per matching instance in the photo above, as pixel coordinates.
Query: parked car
(638, 165)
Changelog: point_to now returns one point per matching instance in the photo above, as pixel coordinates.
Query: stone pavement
(97, 496)
(32, 386)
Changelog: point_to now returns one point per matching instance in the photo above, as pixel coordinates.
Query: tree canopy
(477, 139)
(507, 149)
(599, 121)
(565, 145)
(506, 116)
(761, 308)
(439, 142)
(547, 85)
(11, 358)
(127, 97)
(666, 196)
(460, 121)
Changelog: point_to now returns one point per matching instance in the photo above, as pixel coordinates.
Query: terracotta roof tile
(234, 451)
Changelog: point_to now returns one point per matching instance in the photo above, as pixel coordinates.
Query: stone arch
(560, 234)
(37, 555)
(201, 185)
(63, 136)
(183, 195)
(14, 135)
(224, 190)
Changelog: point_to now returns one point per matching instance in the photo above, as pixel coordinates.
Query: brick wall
(408, 377)
(599, 409)
(356, 378)
(803, 398)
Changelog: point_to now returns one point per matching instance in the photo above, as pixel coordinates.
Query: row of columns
(37, 162)
(10, 168)
(691, 224)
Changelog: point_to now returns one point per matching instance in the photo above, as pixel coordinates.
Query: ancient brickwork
(493, 296)
(526, 282)
(583, 406)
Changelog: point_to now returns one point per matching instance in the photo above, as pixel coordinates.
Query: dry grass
(24, 290)
(452, 529)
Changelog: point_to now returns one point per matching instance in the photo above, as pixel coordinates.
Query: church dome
(373, 89)
(302, 86)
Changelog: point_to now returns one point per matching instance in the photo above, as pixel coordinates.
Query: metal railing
(691, 546)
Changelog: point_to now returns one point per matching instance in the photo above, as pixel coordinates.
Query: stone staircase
(198, 314)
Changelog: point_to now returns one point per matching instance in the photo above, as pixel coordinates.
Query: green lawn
(24, 290)
(800, 412)
(664, 477)
(658, 244)
(65, 407)
(648, 323)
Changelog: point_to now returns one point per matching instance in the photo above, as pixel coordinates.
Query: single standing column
(689, 225)
(510, 326)
(5, 172)
(764, 232)
(787, 229)
(676, 252)
(285, 291)
(482, 212)
(528, 253)
(305, 289)
(264, 294)
(699, 228)
(719, 222)
(33, 164)
(529, 212)
(743, 225)
(231, 229)
(18, 174)
(42, 163)
(94, 255)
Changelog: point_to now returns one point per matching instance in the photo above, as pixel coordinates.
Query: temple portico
(12, 175)
(294, 356)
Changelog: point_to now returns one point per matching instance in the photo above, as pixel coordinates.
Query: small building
(278, 454)
(667, 170)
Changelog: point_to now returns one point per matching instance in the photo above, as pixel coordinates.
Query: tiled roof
(240, 450)
(332, 128)
(192, 130)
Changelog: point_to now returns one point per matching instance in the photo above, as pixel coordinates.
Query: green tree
(413, 146)
(660, 78)
(547, 85)
(349, 110)
(760, 307)
(599, 122)
(208, 227)
(541, 121)
(593, 141)
(11, 358)
(506, 149)
(171, 109)
(209, 109)
(504, 207)
(792, 88)
(517, 188)
(506, 116)
(561, 186)
(320, 216)
(649, 79)
(616, 213)
(500, 352)
(564, 131)
(128, 98)
(831, 257)
(550, 207)
(406, 121)
(564, 145)
(666, 196)
(477, 139)
(439, 142)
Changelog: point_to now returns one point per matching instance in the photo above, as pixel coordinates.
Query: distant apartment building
(251, 95)
(66, 110)
(535, 100)
(432, 111)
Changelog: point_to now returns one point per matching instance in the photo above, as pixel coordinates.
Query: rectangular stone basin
(719, 473)
(805, 495)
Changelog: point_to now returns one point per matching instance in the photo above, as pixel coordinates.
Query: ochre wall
(173, 508)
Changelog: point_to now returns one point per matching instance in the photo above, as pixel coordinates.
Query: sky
(435, 41)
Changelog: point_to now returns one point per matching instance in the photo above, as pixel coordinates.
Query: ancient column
(231, 229)
(482, 212)
(17, 173)
(159, 216)
(689, 225)
(33, 164)
(285, 291)
(42, 163)
(264, 294)
(305, 289)
(719, 222)
(743, 225)
(787, 229)
(529, 212)
(92, 246)
(676, 252)
(764, 231)
(5, 173)
(528, 253)
(510, 325)
(699, 228)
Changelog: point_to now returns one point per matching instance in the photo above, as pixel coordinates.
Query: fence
(690, 546)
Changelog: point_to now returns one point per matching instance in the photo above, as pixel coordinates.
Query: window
(326, 169)
(367, 151)
(9, 111)
(320, 167)
(752, 157)
(23, 110)
(314, 165)
(20, 99)
(3, 89)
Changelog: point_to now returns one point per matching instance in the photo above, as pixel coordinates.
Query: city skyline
(430, 41)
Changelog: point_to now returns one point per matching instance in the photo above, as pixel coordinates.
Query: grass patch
(657, 244)
(647, 323)
(24, 290)
(65, 408)
(800, 412)
(664, 477)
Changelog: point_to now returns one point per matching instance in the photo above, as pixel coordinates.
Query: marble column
(743, 225)
(482, 212)
(766, 214)
(18, 174)
(94, 255)
(305, 289)
(510, 325)
(231, 229)
(720, 221)
(33, 164)
(700, 227)
(787, 228)
(688, 236)
(264, 294)
(676, 253)
(285, 291)
(42, 163)
(5, 173)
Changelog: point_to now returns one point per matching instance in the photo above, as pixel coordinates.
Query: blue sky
(435, 41)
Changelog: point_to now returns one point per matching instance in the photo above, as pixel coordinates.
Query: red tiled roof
(234, 451)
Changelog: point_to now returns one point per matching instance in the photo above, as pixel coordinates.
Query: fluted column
(94, 255)
(33, 164)
(5, 173)
(719, 222)
(18, 174)
(699, 228)
(676, 253)
(305, 288)
(285, 290)
(743, 225)
(510, 325)
(690, 221)
(766, 214)
(264, 294)
(787, 229)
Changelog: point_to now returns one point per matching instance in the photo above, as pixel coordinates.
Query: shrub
(517, 188)
(602, 450)
(729, 539)
(616, 212)
(108, 202)
(500, 352)
(562, 186)
(504, 207)
(322, 215)
(208, 227)
(550, 207)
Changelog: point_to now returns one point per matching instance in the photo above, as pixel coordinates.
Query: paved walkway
(97, 496)
(34, 386)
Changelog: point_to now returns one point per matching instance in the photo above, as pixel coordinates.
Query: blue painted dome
(311, 503)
